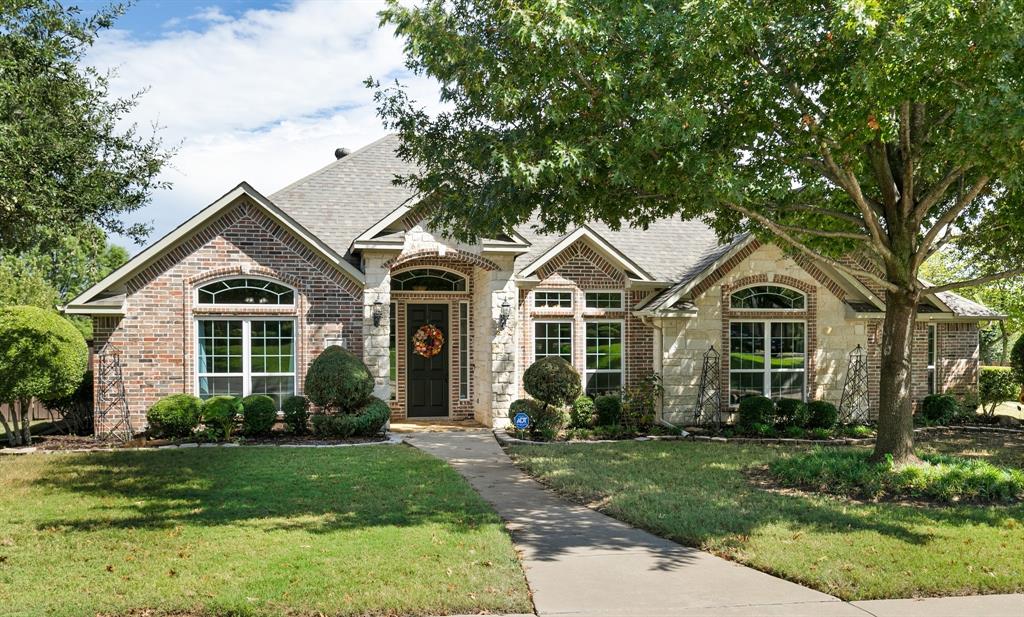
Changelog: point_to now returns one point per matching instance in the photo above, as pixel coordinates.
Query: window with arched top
(427, 279)
(246, 291)
(768, 298)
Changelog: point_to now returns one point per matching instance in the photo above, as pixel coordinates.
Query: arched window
(768, 298)
(246, 291)
(427, 279)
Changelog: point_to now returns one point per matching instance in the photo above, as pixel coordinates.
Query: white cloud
(264, 97)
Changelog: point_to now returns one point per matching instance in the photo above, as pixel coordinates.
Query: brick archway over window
(452, 255)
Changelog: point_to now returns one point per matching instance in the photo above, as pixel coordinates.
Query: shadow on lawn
(316, 490)
(698, 494)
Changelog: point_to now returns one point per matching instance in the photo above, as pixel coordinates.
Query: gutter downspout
(659, 367)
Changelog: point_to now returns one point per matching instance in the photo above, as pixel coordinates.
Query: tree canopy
(71, 160)
(863, 134)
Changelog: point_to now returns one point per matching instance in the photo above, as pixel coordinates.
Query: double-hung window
(767, 358)
(243, 356)
(552, 299)
(604, 357)
(932, 341)
(552, 338)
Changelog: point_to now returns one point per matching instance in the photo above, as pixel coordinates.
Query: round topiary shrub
(296, 414)
(822, 415)
(43, 356)
(176, 415)
(552, 381)
(754, 411)
(338, 380)
(790, 412)
(939, 408)
(259, 412)
(1017, 361)
(996, 385)
(609, 410)
(219, 413)
(365, 422)
(582, 413)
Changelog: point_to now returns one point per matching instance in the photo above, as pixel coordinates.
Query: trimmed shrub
(582, 413)
(338, 380)
(609, 410)
(939, 408)
(791, 412)
(822, 414)
(176, 415)
(639, 404)
(754, 410)
(552, 381)
(296, 414)
(944, 479)
(1017, 361)
(366, 422)
(42, 355)
(997, 385)
(219, 414)
(259, 412)
(545, 420)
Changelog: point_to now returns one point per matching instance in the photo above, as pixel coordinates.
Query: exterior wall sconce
(378, 313)
(506, 313)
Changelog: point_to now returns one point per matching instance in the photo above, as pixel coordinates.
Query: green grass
(699, 495)
(939, 478)
(250, 531)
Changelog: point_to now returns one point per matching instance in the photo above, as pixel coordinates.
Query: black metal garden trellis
(709, 398)
(112, 399)
(854, 405)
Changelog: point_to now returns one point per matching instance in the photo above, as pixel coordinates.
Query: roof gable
(599, 244)
(95, 300)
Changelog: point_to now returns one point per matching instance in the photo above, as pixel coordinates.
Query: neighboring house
(242, 297)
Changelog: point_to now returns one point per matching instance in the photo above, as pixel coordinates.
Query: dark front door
(427, 378)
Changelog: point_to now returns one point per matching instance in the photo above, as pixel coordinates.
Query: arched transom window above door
(768, 298)
(246, 291)
(427, 279)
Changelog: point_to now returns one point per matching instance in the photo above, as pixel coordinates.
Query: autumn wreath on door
(428, 341)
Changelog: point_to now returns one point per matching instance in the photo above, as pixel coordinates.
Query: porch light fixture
(506, 313)
(378, 313)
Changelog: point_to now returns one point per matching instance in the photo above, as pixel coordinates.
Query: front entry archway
(427, 378)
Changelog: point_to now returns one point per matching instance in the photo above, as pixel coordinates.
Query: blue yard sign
(521, 421)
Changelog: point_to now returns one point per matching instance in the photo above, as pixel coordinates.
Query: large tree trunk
(895, 412)
(26, 422)
(11, 431)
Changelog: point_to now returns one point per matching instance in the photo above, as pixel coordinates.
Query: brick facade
(156, 337)
(578, 269)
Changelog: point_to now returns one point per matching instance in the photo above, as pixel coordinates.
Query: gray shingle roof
(344, 199)
(962, 307)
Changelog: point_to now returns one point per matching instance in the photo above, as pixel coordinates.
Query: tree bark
(11, 436)
(895, 413)
(26, 422)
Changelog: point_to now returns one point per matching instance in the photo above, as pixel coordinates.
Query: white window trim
(774, 310)
(622, 352)
(553, 308)
(932, 341)
(246, 373)
(242, 275)
(464, 344)
(462, 275)
(767, 370)
(572, 337)
(620, 293)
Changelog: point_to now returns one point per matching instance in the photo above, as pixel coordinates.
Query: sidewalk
(581, 562)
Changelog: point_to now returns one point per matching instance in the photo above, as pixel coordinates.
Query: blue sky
(262, 91)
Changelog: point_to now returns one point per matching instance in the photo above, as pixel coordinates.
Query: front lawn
(699, 494)
(250, 531)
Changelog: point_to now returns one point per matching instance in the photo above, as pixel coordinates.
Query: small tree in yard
(552, 381)
(42, 355)
(865, 136)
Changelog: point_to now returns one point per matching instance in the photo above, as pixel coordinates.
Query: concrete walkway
(581, 562)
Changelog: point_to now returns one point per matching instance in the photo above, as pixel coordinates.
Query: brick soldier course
(338, 236)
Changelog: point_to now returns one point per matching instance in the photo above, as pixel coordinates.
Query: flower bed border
(389, 440)
(505, 439)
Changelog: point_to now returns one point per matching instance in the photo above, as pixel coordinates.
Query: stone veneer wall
(579, 269)
(830, 335)
(156, 337)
